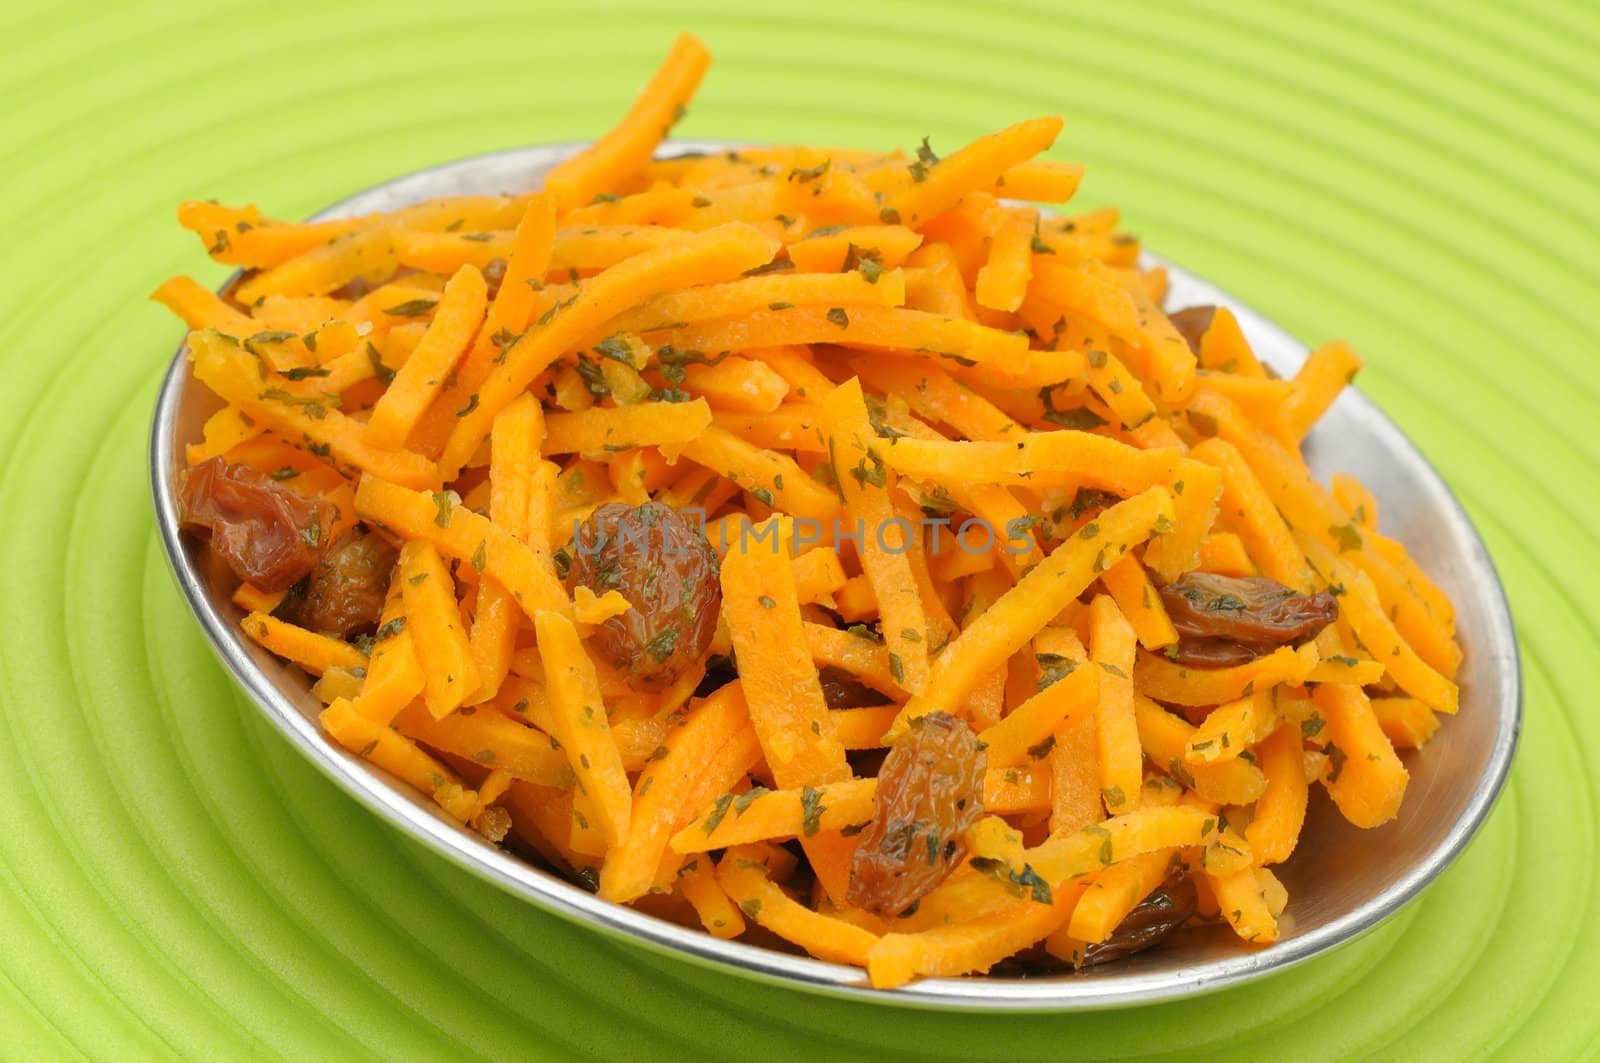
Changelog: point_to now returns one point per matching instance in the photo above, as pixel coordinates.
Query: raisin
(930, 790)
(1224, 620)
(363, 286)
(1151, 920)
(345, 593)
(841, 690)
(269, 535)
(1192, 323)
(660, 561)
(494, 275)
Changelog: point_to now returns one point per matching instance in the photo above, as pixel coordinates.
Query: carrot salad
(831, 548)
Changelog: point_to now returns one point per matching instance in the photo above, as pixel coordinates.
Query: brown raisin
(1224, 620)
(1150, 922)
(930, 790)
(494, 275)
(345, 593)
(660, 561)
(270, 535)
(841, 690)
(1192, 323)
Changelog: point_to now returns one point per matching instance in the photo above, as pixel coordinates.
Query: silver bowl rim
(972, 994)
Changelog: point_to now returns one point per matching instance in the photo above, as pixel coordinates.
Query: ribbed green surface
(1418, 177)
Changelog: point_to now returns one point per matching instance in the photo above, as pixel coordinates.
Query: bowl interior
(1341, 881)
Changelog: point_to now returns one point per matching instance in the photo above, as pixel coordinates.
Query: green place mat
(1418, 177)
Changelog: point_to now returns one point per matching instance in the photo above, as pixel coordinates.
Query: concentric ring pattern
(1420, 177)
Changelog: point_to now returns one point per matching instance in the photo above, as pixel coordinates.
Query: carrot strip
(507, 317)
(862, 657)
(934, 283)
(434, 621)
(311, 651)
(623, 151)
(1130, 587)
(1311, 511)
(1029, 731)
(253, 599)
(794, 363)
(459, 533)
(1037, 597)
(490, 739)
(674, 309)
(976, 166)
(1115, 385)
(911, 332)
(1165, 739)
(737, 384)
(224, 430)
(1231, 729)
(776, 814)
(1092, 290)
(1022, 789)
(697, 880)
(514, 442)
(1362, 609)
(1003, 280)
(1364, 776)
(864, 487)
(394, 675)
(493, 637)
(1243, 903)
(780, 682)
(703, 258)
(1259, 523)
(937, 396)
(1317, 383)
(540, 816)
(610, 429)
(230, 372)
(742, 872)
(1167, 361)
(763, 472)
(263, 242)
(1223, 347)
(827, 252)
(1224, 554)
(1407, 722)
(863, 728)
(578, 721)
(1075, 800)
(1115, 892)
(1039, 459)
(1281, 810)
(1176, 684)
(359, 254)
(399, 756)
(201, 308)
(660, 204)
(216, 225)
(1101, 845)
(817, 574)
(665, 788)
(1040, 181)
(1354, 498)
(790, 426)
(791, 720)
(455, 323)
(1112, 648)
(965, 948)
(594, 248)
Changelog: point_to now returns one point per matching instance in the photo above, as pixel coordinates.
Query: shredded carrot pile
(795, 338)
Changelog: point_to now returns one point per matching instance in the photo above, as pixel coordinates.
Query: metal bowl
(1342, 881)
